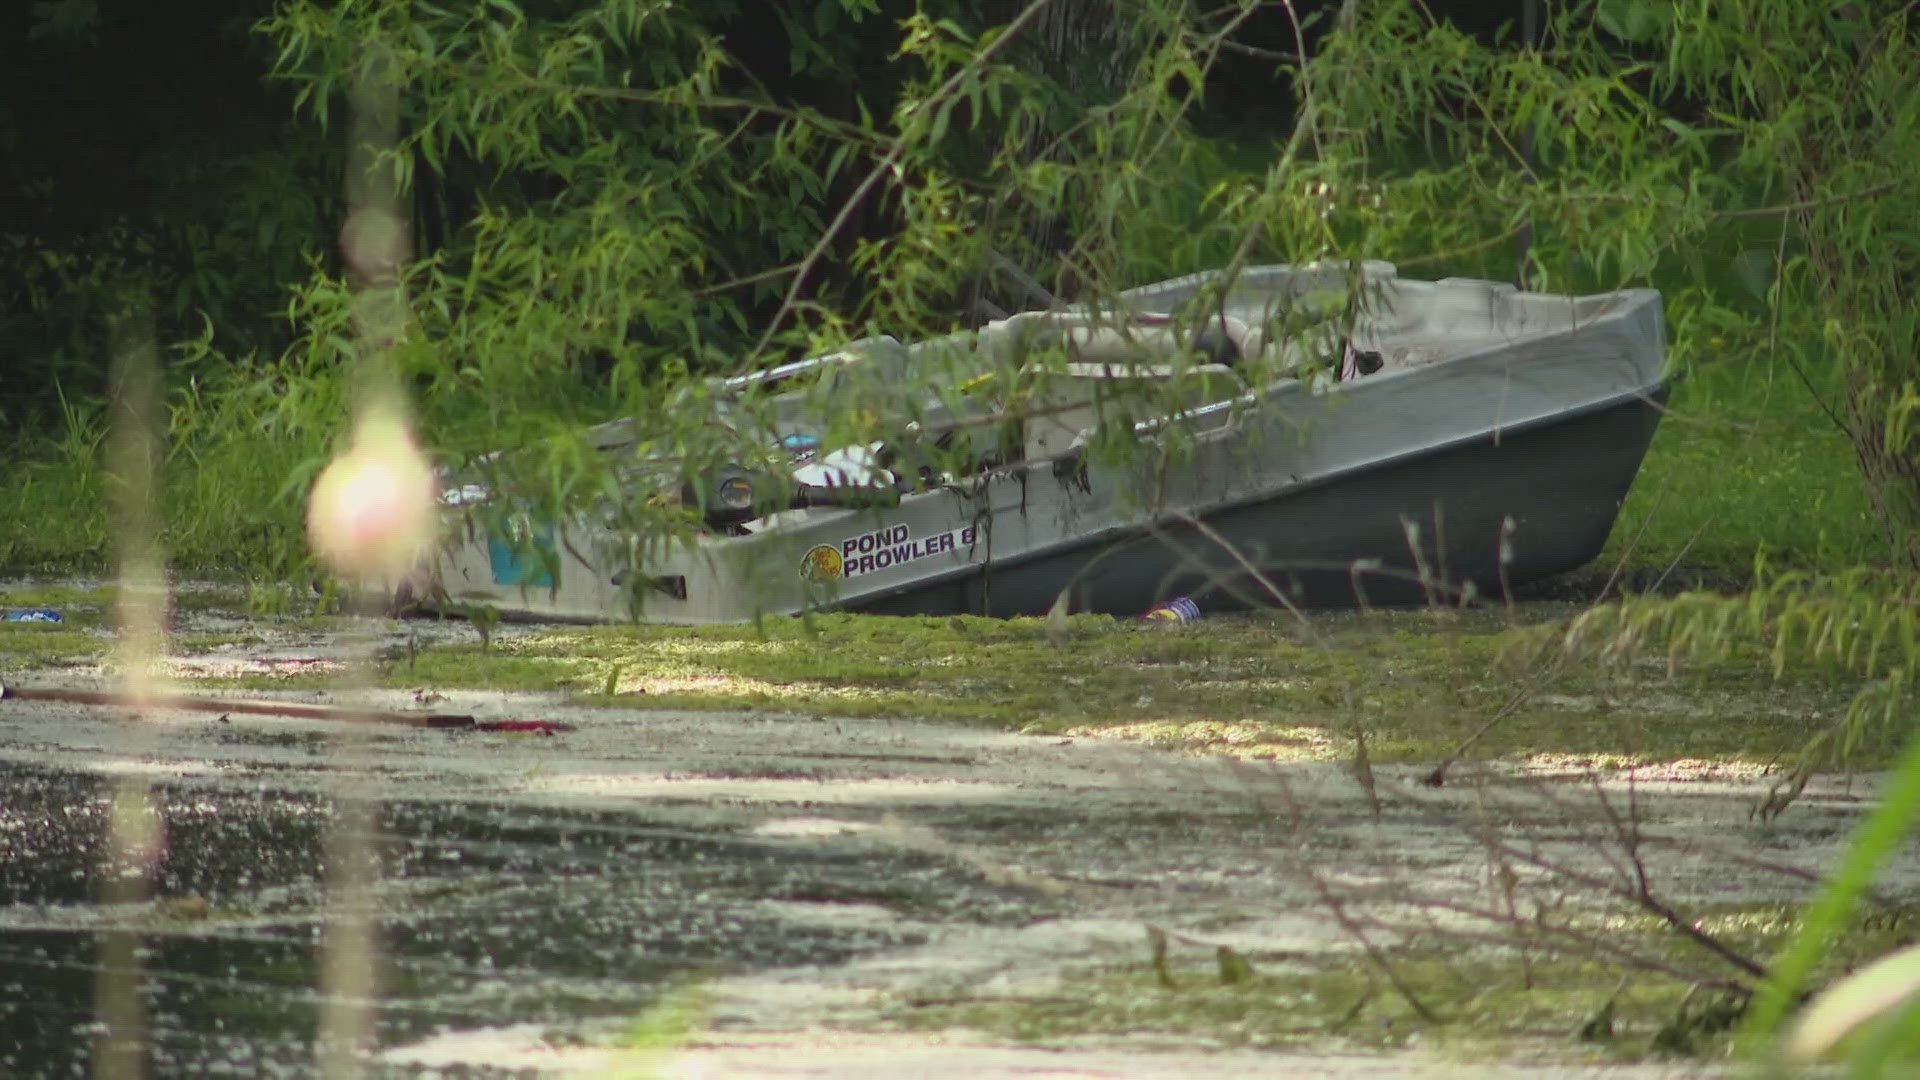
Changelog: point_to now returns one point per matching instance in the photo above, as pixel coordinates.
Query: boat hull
(1547, 497)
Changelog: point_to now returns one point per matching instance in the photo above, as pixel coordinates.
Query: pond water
(490, 914)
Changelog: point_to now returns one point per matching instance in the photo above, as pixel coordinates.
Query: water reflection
(491, 914)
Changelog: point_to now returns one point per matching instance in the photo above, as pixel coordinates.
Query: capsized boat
(1320, 435)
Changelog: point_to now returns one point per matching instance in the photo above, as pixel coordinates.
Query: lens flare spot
(371, 513)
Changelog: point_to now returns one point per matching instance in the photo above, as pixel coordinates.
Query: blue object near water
(800, 445)
(513, 565)
(36, 614)
(1180, 609)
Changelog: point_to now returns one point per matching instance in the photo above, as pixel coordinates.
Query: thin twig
(1773, 330)
(1814, 203)
(886, 164)
(1337, 908)
(1641, 896)
(1213, 535)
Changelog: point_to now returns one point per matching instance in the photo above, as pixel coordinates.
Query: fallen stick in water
(278, 708)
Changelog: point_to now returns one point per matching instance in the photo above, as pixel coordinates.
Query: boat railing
(851, 353)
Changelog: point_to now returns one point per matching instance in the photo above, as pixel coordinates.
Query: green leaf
(1635, 21)
(941, 117)
(76, 22)
(1234, 968)
(1873, 840)
(1889, 983)
(1754, 268)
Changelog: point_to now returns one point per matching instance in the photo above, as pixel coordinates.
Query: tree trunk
(1888, 464)
(1865, 275)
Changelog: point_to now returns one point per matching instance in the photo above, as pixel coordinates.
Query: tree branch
(887, 163)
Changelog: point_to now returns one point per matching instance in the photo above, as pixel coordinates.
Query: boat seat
(1142, 338)
(1063, 402)
(1112, 370)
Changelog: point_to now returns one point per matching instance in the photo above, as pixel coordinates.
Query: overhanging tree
(1753, 157)
(644, 200)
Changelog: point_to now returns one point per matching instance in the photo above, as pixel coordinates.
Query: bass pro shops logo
(822, 562)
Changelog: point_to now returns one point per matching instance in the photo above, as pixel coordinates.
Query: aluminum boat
(1319, 435)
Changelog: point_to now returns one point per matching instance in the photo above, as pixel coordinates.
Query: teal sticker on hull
(513, 564)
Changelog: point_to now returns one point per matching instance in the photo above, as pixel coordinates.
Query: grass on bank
(1416, 683)
(230, 498)
(1744, 461)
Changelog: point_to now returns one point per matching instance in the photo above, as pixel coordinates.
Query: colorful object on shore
(39, 614)
(1178, 610)
(537, 727)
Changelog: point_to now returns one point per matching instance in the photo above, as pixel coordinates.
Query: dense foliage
(604, 195)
